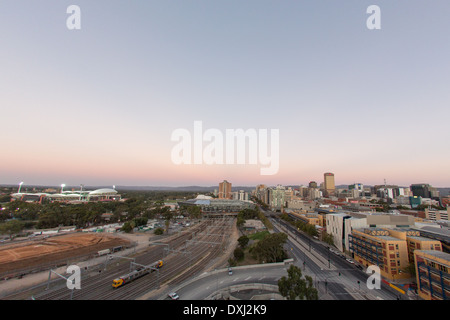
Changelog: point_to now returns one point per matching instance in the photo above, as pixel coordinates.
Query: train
(139, 272)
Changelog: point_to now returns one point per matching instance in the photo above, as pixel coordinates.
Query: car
(230, 271)
(173, 296)
(349, 260)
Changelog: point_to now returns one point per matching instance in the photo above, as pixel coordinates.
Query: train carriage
(141, 271)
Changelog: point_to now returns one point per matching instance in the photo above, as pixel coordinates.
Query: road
(334, 277)
(211, 282)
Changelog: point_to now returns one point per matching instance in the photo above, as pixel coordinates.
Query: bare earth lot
(37, 252)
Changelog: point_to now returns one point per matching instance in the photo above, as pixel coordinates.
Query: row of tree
(18, 215)
(309, 229)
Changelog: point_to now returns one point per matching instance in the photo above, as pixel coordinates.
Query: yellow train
(118, 282)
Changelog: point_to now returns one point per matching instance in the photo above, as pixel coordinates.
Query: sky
(98, 105)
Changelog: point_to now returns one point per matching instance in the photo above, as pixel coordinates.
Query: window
(443, 268)
(396, 246)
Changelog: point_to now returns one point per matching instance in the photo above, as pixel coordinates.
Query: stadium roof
(103, 191)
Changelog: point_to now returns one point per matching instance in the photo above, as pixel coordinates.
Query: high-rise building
(421, 190)
(328, 183)
(225, 190)
(277, 198)
(312, 184)
(262, 193)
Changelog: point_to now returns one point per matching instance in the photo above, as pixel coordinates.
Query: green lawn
(259, 235)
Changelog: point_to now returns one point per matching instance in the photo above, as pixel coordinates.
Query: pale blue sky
(97, 105)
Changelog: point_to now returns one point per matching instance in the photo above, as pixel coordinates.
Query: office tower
(312, 184)
(421, 190)
(328, 183)
(225, 190)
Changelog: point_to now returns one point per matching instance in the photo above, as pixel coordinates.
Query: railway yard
(185, 254)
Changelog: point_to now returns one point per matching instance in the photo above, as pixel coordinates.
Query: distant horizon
(120, 186)
(104, 104)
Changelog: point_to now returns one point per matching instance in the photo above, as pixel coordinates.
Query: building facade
(375, 246)
(225, 190)
(328, 183)
(432, 274)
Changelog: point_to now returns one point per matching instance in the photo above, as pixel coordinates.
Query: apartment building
(432, 274)
(225, 190)
(375, 246)
(435, 215)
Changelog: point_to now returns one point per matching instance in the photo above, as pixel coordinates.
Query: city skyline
(320, 185)
(97, 106)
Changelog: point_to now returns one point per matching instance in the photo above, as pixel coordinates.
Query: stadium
(104, 194)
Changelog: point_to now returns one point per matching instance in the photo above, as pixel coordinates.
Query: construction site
(43, 252)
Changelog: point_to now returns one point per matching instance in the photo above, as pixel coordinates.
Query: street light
(20, 186)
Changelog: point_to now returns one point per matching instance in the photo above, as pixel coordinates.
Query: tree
(127, 227)
(294, 286)
(140, 221)
(270, 249)
(167, 215)
(238, 254)
(328, 238)
(243, 241)
(240, 221)
(11, 227)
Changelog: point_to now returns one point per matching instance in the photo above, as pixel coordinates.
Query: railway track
(184, 256)
(176, 267)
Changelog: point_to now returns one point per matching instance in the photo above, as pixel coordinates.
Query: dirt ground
(43, 251)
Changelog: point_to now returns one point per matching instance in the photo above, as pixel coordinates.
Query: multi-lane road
(207, 284)
(334, 276)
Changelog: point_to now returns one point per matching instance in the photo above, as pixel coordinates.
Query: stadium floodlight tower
(62, 187)
(20, 186)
